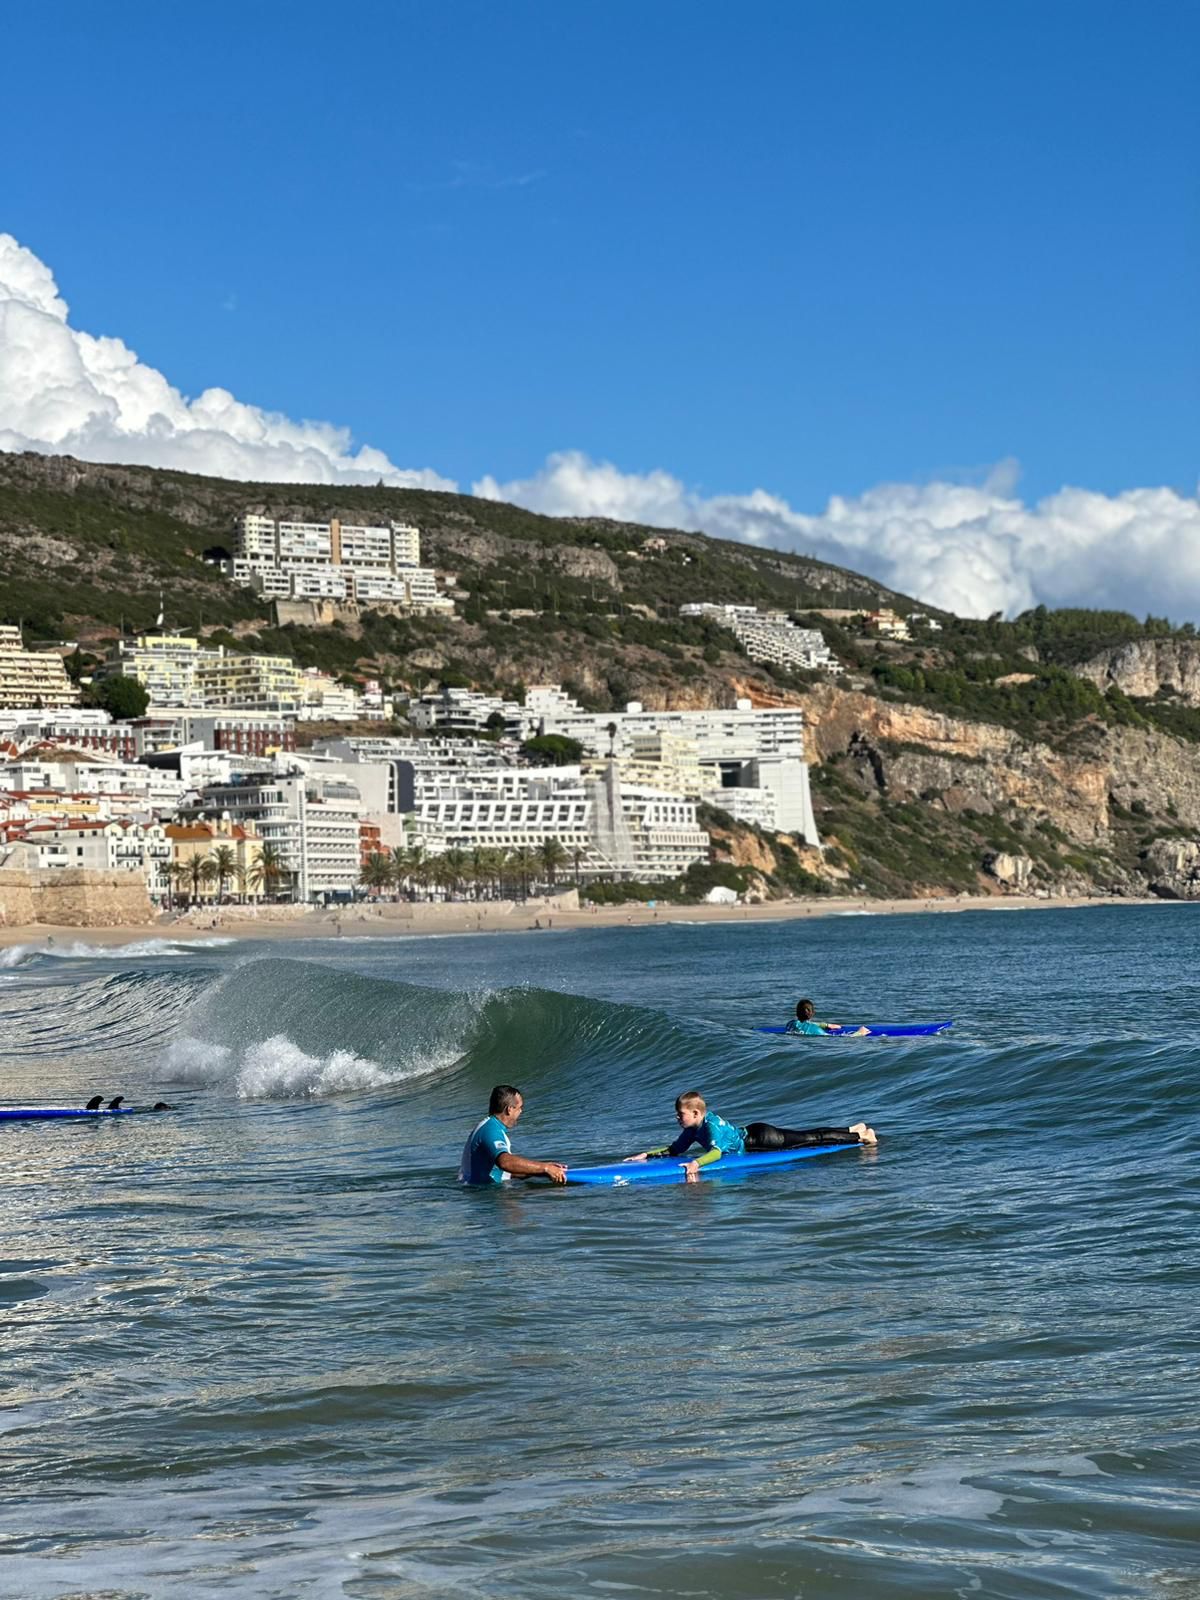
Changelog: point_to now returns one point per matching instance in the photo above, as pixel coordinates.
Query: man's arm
(519, 1167)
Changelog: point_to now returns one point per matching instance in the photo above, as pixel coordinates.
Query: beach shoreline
(391, 921)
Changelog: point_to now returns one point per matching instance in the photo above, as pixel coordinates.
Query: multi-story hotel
(249, 683)
(770, 637)
(180, 674)
(334, 560)
(32, 679)
(312, 822)
(165, 664)
(737, 747)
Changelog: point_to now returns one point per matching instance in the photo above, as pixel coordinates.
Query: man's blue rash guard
(796, 1026)
(487, 1141)
(718, 1137)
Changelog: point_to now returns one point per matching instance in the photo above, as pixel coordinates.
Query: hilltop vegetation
(85, 551)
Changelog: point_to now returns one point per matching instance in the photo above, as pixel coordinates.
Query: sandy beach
(387, 920)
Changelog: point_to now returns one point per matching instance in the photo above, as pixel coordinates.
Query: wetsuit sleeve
(714, 1154)
(684, 1142)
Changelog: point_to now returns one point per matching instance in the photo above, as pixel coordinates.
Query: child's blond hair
(692, 1097)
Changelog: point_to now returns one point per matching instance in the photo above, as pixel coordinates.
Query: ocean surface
(267, 1346)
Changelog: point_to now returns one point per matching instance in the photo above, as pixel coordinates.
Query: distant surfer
(803, 1022)
(488, 1156)
(717, 1138)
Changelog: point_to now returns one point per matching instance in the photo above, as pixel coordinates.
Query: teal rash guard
(804, 1027)
(717, 1137)
(488, 1141)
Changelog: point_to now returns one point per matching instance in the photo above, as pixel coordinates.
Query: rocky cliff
(1144, 668)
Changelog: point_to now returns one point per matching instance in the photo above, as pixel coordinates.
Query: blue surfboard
(48, 1113)
(669, 1169)
(875, 1030)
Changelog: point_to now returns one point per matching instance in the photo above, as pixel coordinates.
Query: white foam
(80, 951)
(16, 953)
(942, 1490)
(278, 1069)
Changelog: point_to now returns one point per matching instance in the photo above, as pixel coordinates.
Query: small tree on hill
(553, 749)
(122, 698)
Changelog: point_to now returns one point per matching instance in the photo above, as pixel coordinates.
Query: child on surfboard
(699, 1125)
(803, 1022)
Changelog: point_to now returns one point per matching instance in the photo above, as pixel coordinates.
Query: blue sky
(809, 248)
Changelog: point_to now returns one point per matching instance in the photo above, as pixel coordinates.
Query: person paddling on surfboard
(487, 1155)
(699, 1125)
(803, 1022)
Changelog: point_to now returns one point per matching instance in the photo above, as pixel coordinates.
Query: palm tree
(553, 857)
(269, 870)
(524, 863)
(412, 865)
(379, 872)
(178, 873)
(454, 868)
(481, 866)
(224, 865)
(197, 870)
(611, 731)
(577, 857)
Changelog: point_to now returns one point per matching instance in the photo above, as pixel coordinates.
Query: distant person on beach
(717, 1138)
(803, 1022)
(487, 1155)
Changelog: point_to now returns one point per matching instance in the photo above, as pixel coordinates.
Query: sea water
(267, 1347)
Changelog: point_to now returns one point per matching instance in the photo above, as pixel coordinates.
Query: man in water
(487, 1155)
(803, 1022)
(699, 1125)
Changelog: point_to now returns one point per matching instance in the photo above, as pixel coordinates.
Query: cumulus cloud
(971, 550)
(68, 392)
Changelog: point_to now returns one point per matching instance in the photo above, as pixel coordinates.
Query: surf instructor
(488, 1155)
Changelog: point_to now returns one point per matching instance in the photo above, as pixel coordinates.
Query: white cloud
(67, 392)
(973, 550)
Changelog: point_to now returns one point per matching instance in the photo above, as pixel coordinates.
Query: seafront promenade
(553, 915)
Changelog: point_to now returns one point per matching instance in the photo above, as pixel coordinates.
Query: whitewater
(267, 1347)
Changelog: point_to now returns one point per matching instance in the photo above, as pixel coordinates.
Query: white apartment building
(753, 806)
(255, 733)
(770, 637)
(738, 746)
(312, 821)
(616, 832)
(334, 560)
(32, 679)
(417, 768)
(719, 735)
(125, 786)
(323, 699)
(118, 846)
(83, 728)
(180, 674)
(227, 680)
(467, 711)
(165, 664)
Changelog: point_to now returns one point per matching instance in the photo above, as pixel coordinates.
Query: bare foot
(865, 1135)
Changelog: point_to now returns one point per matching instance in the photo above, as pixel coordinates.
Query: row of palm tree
(480, 874)
(265, 873)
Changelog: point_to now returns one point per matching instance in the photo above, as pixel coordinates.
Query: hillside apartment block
(769, 636)
(32, 678)
(181, 674)
(334, 560)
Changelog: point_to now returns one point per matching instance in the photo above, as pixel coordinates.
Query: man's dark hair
(804, 1010)
(504, 1097)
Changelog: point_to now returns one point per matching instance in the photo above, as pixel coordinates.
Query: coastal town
(188, 774)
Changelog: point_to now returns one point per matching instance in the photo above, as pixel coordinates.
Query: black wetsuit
(766, 1136)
